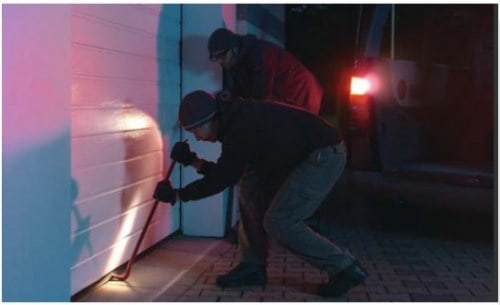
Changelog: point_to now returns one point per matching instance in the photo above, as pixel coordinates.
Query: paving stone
(401, 269)
(231, 299)
(432, 298)
(321, 299)
(176, 289)
(378, 297)
(193, 292)
(487, 298)
(491, 285)
(338, 299)
(315, 277)
(436, 285)
(406, 262)
(479, 291)
(198, 299)
(227, 293)
(386, 278)
(448, 277)
(409, 283)
(204, 286)
(166, 298)
(406, 290)
(468, 280)
(389, 283)
(275, 280)
(266, 294)
(398, 297)
(210, 280)
(357, 296)
(386, 272)
(465, 297)
(425, 273)
(375, 288)
(294, 280)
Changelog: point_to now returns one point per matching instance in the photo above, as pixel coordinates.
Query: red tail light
(360, 85)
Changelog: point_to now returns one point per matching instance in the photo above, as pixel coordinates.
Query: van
(417, 108)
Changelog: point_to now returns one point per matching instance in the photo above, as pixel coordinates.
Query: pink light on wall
(34, 87)
(116, 176)
(117, 154)
(229, 16)
(36, 191)
(132, 119)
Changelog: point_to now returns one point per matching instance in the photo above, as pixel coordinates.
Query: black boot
(340, 283)
(244, 274)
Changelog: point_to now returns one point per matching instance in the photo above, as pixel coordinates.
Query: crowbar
(116, 277)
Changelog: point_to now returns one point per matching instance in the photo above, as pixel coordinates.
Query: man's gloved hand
(182, 153)
(165, 192)
(224, 95)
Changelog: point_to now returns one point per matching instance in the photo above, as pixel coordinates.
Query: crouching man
(286, 161)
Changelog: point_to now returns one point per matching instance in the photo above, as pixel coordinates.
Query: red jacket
(266, 71)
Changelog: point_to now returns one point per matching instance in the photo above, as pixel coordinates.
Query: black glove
(224, 95)
(182, 153)
(165, 192)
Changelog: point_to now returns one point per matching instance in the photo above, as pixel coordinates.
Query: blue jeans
(277, 208)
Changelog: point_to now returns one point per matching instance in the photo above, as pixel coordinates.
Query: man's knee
(276, 228)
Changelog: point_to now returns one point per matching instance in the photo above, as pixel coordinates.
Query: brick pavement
(401, 268)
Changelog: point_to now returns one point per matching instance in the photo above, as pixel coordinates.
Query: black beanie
(197, 108)
(222, 39)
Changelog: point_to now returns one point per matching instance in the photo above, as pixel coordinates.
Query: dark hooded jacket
(264, 70)
(268, 139)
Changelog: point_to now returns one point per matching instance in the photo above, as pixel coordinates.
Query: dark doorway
(323, 37)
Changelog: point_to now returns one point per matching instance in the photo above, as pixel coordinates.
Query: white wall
(120, 55)
(90, 102)
(265, 21)
(205, 217)
(36, 196)
(208, 217)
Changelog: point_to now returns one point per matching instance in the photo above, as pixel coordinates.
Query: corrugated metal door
(125, 79)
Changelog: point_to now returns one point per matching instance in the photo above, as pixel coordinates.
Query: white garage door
(125, 81)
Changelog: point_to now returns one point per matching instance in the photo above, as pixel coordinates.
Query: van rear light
(360, 85)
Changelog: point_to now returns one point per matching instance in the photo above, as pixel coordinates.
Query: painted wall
(205, 217)
(265, 21)
(90, 102)
(120, 57)
(36, 195)
(212, 216)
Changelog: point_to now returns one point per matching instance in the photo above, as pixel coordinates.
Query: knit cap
(197, 108)
(222, 39)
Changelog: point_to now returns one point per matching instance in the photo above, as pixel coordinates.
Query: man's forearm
(202, 166)
(197, 163)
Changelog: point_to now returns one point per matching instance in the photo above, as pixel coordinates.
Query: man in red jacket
(259, 69)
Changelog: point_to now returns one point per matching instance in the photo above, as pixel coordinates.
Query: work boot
(244, 274)
(340, 283)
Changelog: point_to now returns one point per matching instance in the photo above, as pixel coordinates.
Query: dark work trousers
(278, 209)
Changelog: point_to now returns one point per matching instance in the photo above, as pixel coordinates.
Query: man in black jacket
(286, 161)
(260, 69)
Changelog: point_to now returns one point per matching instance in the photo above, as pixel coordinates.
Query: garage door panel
(111, 204)
(125, 75)
(114, 147)
(106, 234)
(88, 91)
(94, 61)
(133, 17)
(84, 273)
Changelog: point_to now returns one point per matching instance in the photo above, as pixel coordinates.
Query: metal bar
(116, 277)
